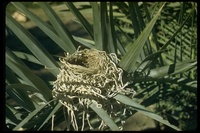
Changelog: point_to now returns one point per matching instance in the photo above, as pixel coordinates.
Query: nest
(89, 76)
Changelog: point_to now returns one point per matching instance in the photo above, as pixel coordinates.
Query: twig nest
(89, 76)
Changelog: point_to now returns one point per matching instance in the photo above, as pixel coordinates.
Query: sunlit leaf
(83, 21)
(97, 26)
(104, 116)
(130, 58)
(32, 114)
(44, 26)
(32, 43)
(60, 28)
(179, 67)
(143, 110)
(25, 73)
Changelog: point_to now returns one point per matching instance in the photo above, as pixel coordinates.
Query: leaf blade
(44, 26)
(83, 21)
(104, 116)
(172, 69)
(60, 28)
(97, 26)
(25, 73)
(32, 44)
(143, 110)
(130, 58)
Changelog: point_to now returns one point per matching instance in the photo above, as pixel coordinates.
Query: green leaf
(134, 19)
(105, 29)
(156, 45)
(32, 44)
(22, 99)
(148, 60)
(54, 110)
(104, 116)
(21, 87)
(44, 26)
(19, 95)
(25, 73)
(11, 77)
(97, 26)
(80, 17)
(173, 69)
(27, 57)
(10, 115)
(143, 110)
(130, 58)
(85, 42)
(60, 28)
(111, 39)
(32, 114)
(156, 55)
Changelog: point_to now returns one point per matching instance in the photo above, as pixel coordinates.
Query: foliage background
(161, 65)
